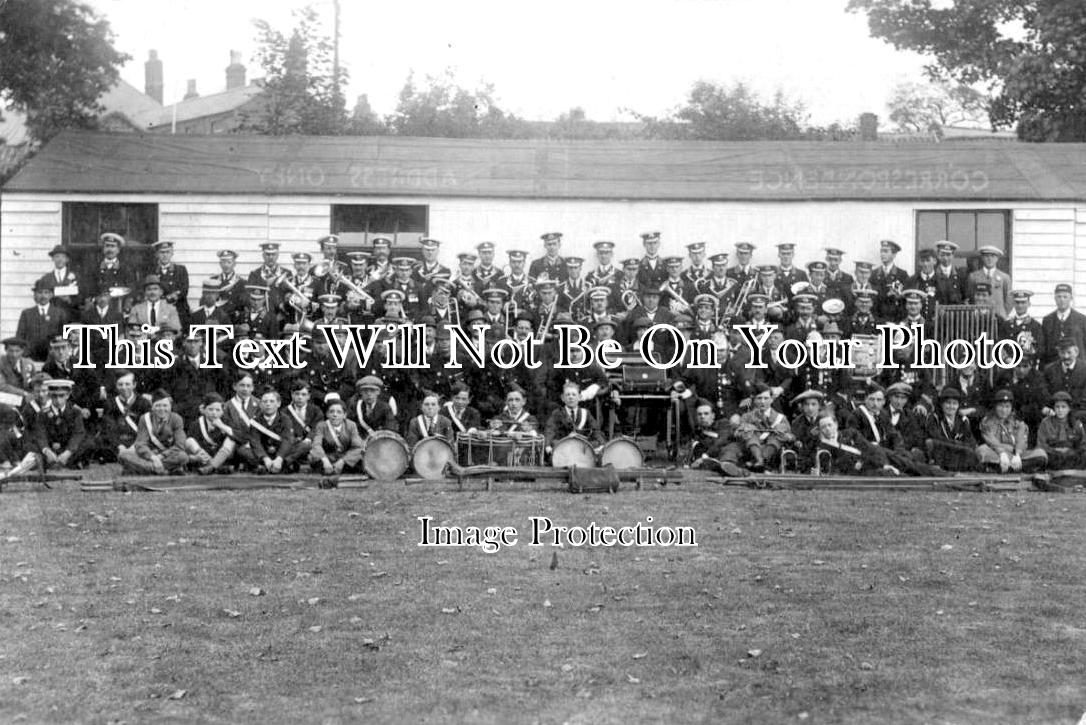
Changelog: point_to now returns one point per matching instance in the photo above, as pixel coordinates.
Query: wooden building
(212, 192)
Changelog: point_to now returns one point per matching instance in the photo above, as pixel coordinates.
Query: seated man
(120, 418)
(429, 424)
(1061, 437)
(763, 431)
(337, 446)
(271, 437)
(848, 452)
(15, 370)
(805, 428)
(59, 432)
(905, 420)
(950, 442)
(571, 419)
(714, 447)
(461, 414)
(370, 413)
(160, 443)
(238, 415)
(1005, 438)
(209, 444)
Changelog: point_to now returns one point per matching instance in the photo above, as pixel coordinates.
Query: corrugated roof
(85, 162)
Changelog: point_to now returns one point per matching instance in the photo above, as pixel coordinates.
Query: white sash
(335, 437)
(241, 411)
(146, 419)
(362, 421)
(271, 434)
(518, 420)
(455, 418)
(124, 413)
(301, 421)
(205, 432)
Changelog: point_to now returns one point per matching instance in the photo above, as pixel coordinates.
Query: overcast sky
(602, 55)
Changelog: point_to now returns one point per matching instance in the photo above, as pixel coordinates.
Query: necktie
(153, 315)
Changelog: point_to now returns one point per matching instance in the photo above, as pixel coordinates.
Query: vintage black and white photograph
(587, 362)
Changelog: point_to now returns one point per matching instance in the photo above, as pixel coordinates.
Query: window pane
(358, 224)
(930, 227)
(962, 230)
(992, 229)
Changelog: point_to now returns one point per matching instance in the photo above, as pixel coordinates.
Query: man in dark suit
(923, 281)
(550, 264)
(65, 279)
(651, 271)
(42, 322)
(1060, 324)
(648, 309)
(1067, 375)
(174, 279)
(787, 273)
(112, 272)
(949, 279)
(889, 281)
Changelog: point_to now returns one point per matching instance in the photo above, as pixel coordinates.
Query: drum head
(573, 451)
(430, 456)
(385, 457)
(622, 453)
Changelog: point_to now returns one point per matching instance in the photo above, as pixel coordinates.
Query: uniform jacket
(120, 419)
(380, 417)
(561, 423)
(464, 421)
(1055, 330)
(239, 416)
(60, 430)
(1073, 381)
(554, 268)
(302, 424)
(1001, 289)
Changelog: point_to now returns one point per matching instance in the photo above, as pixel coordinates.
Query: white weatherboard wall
(1049, 241)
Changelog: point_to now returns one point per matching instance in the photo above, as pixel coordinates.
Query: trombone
(732, 309)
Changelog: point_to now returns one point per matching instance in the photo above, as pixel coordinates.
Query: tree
(736, 113)
(57, 59)
(442, 108)
(364, 122)
(301, 91)
(1031, 55)
(927, 107)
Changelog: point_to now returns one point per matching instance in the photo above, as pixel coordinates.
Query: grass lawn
(805, 607)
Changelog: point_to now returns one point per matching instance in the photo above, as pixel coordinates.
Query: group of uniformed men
(188, 417)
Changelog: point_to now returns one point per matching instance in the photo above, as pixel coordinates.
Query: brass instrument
(338, 277)
(510, 316)
(897, 289)
(678, 302)
(547, 325)
(630, 299)
(283, 280)
(732, 310)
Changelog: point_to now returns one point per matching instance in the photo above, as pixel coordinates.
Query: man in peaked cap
(697, 269)
(998, 281)
(605, 273)
(573, 291)
(651, 269)
(788, 274)
(1020, 326)
(58, 432)
(174, 279)
(517, 282)
(269, 268)
(429, 266)
(231, 284)
(111, 270)
(380, 267)
(41, 322)
(836, 278)
(950, 284)
(743, 270)
(719, 282)
(258, 315)
(1062, 323)
(486, 272)
(551, 264)
(889, 281)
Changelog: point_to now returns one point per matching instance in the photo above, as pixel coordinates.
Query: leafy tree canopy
(440, 107)
(927, 107)
(56, 61)
(1030, 53)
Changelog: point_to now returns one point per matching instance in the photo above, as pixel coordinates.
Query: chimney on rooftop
(152, 76)
(869, 127)
(191, 92)
(235, 72)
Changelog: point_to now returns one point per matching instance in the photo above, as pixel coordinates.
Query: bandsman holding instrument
(429, 266)
(837, 279)
(651, 271)
(573, 291)
(231, 285)
(380, 267)
(677, 293)
(1021, 327)
(486, 272)
(550, 265)
(743, 271)
(606, 274)
(787, 273)
(517, 282)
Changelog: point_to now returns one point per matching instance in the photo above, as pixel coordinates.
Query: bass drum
(573, 450)
(621, 453)
(385, 456)
(430, 455)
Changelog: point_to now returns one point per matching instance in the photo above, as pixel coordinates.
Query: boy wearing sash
(763, 431)
(337, 446)
(160, 441)
(849, 452)
(120, 419)
(210, 445)
(429, 424)
(370, 413)
(271, 437)
(238, 415)
(571, 419)
(303, 417)
(464, 418)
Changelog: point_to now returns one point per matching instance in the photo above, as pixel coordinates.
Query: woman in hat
(950, 442)
(1061, 438)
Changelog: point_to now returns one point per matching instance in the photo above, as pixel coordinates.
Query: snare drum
(430, 455)
(573, 450)
(385, 455)
(622, 453)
